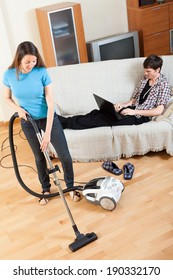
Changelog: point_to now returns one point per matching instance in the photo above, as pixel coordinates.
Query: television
(118, 46)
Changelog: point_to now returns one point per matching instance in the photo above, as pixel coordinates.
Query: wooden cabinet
(153, 23)
(171, 15)
(157, 43)
(62, 34)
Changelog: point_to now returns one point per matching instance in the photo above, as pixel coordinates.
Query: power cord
(2, 149)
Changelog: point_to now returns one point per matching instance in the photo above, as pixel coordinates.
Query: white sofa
(115, 80)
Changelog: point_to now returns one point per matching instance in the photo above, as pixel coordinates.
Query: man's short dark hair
(153, 61)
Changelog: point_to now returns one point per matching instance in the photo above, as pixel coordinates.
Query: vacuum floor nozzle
(82, 240)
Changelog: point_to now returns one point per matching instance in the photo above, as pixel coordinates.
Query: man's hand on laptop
(118, 107)
(125, 108)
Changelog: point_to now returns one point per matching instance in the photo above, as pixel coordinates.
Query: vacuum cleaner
(81, 239)
(103, 191)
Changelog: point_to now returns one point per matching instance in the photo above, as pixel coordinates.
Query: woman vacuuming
(28, 81)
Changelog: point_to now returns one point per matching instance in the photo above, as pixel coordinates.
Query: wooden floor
(140, 228)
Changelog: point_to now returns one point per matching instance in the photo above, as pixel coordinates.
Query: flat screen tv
(119, 46)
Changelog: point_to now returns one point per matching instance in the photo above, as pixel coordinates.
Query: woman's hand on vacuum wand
(22, 113)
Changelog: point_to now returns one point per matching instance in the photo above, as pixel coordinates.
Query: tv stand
(154, 24)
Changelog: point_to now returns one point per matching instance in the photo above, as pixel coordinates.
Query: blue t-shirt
(29, 90)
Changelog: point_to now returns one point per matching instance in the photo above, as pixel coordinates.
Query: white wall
(18, 23)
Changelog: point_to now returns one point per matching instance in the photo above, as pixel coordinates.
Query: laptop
(107, 107)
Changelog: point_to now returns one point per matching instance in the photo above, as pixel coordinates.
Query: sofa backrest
(115, 80)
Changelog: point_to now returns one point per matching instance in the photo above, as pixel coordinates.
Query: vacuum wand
(81, 239)
(55, 178)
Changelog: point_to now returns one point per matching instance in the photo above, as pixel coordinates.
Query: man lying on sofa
(149, 99)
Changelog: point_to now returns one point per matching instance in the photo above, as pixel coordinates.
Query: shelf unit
(153, 23)
(62, 34)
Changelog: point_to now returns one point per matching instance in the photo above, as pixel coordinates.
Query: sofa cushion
(140, 139)
(90, 144)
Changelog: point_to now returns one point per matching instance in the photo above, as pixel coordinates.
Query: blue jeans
(59, 142)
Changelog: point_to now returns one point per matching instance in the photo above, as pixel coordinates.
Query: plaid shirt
(159, 94)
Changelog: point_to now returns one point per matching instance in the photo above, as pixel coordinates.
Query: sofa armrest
(166, 113)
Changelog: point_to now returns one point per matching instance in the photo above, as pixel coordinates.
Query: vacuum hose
(15, 165)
